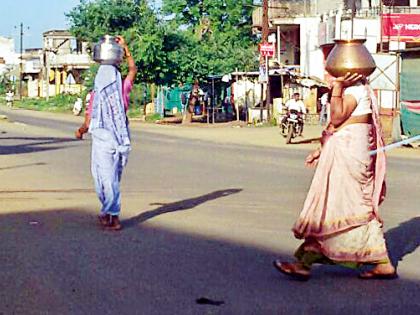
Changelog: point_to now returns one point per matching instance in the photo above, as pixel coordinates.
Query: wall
(325, 6)
(311, 58)
(368, 28)
(7, 51)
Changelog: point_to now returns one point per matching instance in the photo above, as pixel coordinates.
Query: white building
(305, 32)
(65, 61)
(9, 58)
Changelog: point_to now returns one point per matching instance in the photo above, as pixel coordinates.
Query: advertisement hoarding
(401, 27)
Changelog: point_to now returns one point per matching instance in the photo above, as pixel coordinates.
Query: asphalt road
(202, 220)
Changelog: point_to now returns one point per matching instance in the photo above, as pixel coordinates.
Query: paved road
(202, 220)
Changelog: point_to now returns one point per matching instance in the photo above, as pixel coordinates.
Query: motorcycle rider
(296, 106)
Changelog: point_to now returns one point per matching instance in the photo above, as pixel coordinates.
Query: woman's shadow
(403, 240)
(179, 206)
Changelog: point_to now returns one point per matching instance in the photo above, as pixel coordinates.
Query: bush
(59, 103)
(153, 117)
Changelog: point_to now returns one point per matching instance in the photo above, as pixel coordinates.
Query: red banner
(267, 49)
(401, 27)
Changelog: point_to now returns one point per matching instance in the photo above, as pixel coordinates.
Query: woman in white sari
(340, 223)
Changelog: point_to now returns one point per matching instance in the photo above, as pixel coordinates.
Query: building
(65, 60)
(304, 33)
(32, 71)
(9, 60)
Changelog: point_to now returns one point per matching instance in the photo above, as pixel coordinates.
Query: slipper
(378, 276)
(295, 275)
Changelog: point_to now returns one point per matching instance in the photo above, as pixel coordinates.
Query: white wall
(311, 57)
(363, 28)
(7, 51)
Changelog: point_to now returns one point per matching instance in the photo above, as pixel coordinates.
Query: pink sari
(340, 215)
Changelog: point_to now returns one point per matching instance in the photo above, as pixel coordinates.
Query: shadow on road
(309, 140)
(60, 262)
(179, 206)
(32, 144)
(403, 239)
(22, 166)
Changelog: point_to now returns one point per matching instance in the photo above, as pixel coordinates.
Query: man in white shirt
(294, 104)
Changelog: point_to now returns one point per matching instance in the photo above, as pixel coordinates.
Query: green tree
(134, 20)
(190, 39)
(216, 34)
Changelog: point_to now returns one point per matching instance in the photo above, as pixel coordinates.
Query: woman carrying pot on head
(340, 223)
(108, 125)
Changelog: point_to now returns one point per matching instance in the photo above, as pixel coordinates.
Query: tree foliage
(218, 35)
(189, 39)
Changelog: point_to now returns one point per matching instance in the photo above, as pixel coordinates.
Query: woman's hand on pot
(348, 80)
(121, 41)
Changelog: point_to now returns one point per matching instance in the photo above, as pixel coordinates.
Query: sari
(110, 138)
(340, 222)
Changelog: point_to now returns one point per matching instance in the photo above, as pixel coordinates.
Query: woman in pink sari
(340, 223)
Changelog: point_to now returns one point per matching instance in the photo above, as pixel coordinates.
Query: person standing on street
(340, 221)
(9, 98)
(323, 115)
(108, 125)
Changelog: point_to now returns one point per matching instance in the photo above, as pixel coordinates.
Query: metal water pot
(350, 56)
(107, 51)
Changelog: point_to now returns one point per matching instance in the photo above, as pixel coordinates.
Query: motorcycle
(293, 125)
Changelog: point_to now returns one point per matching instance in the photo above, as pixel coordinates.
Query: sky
(38, 15)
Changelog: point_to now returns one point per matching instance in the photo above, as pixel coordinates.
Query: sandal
(113, 224)
(290, 270)
(371, 275)
(104, 219)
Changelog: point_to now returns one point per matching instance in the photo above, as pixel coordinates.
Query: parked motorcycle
(291, 127)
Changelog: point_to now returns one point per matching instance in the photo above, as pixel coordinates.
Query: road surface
(203, 219)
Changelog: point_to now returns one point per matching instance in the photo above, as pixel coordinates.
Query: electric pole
(21, 60)
(265, 31)
(381, 11)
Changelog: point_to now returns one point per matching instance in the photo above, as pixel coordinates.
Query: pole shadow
(309, 140)
(178, 206)
(22, 166)
(403, 240)
(33, 144)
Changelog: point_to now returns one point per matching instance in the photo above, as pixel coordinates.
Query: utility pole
(265, 31)
(381, 9)
(21, 59)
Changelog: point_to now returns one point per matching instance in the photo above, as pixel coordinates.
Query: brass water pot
(350, 56)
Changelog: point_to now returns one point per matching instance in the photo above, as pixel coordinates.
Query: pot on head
(107, 51)
(350, 56)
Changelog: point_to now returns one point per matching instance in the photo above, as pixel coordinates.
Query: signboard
(401, 27)
(267, 50)
(263, 75)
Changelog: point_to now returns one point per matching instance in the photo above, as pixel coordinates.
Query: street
(202, 219)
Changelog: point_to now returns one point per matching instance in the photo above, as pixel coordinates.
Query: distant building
(304, 32)
(302, 27)
(65, 60)
(8, 57)
(58, 67)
